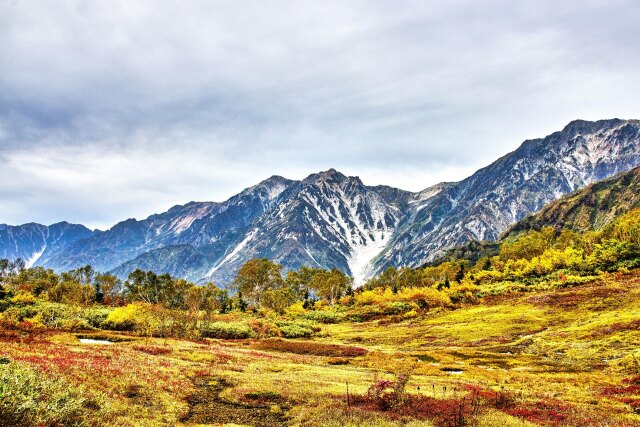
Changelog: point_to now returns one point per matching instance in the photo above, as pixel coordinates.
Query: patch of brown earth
(207, 407)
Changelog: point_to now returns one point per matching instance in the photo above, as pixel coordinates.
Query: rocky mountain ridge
(331, 220)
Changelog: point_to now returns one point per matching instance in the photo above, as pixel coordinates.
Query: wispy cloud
(112, 109)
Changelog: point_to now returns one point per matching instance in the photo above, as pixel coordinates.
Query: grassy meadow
(566, 357)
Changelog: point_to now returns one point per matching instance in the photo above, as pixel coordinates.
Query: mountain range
(331, 220)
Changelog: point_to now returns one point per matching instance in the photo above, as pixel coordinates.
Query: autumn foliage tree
(260, 282)
(330, 285)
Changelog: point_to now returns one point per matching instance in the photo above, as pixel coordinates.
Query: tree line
(259, 283)
(563, 256)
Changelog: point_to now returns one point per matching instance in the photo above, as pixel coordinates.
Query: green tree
(330, 285)
(240, 303)
(256, 277)
(4, 268)
(528, 246)
(152, 288)
(300, 281)
(110, 287)
(278, 299)
(36, 280)
(83, 275)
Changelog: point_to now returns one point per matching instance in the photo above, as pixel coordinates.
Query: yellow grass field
(569, 357)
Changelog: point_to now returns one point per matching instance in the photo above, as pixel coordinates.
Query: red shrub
(154, 350)
(311, 348)
(442, 412)
(616, 327)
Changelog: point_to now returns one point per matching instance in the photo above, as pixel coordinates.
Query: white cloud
(113, 109)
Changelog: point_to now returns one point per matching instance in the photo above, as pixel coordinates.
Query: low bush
(152, 349)
(11, 317)
(124, 318)
(145, 319)
(226, 330)
(263, 328)
(325, 316)
(23, 298)
(364, 313)
(62, 316)
(97, 316)
(28, 398)
(296, 331)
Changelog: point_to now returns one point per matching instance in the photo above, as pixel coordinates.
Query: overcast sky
(117, 109)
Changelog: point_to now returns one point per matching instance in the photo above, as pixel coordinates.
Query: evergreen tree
(99, 294)
(241, 303)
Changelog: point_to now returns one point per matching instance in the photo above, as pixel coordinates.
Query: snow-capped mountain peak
(331, 220)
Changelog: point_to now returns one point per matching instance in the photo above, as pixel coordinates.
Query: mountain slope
(197, 224)
(331, 220)
(327, 220)
(538, 172)
(183, 261)
(591, 208)
(36, 243)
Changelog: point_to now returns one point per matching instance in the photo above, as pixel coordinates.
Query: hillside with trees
(458, 342)
(436, 346)
(588, 209)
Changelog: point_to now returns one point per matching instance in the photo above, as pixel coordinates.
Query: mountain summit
(331, 220)
(538, 172)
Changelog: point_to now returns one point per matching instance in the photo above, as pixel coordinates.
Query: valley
(557, 358)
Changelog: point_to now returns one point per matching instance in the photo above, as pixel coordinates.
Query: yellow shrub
(367, 297)
(488, 276)
(296, 309)
(549, 261)
(346, 300)
(425, 297)
(321, 304)
(129, 317)
(23, 298)
(411, 314)
(375, 297)
(37, 322)
(465, 285)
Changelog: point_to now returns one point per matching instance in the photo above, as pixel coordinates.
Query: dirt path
(207, 407)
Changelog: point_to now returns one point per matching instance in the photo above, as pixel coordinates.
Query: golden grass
(552, 347)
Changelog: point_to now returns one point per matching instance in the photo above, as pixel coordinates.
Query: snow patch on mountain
(181, 224)
(234, 252)
(359, 260)
(276, 190)
(35, 257)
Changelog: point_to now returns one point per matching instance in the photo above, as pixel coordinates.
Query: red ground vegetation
(311, 348)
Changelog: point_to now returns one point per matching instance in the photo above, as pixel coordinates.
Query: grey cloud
(158, 104)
